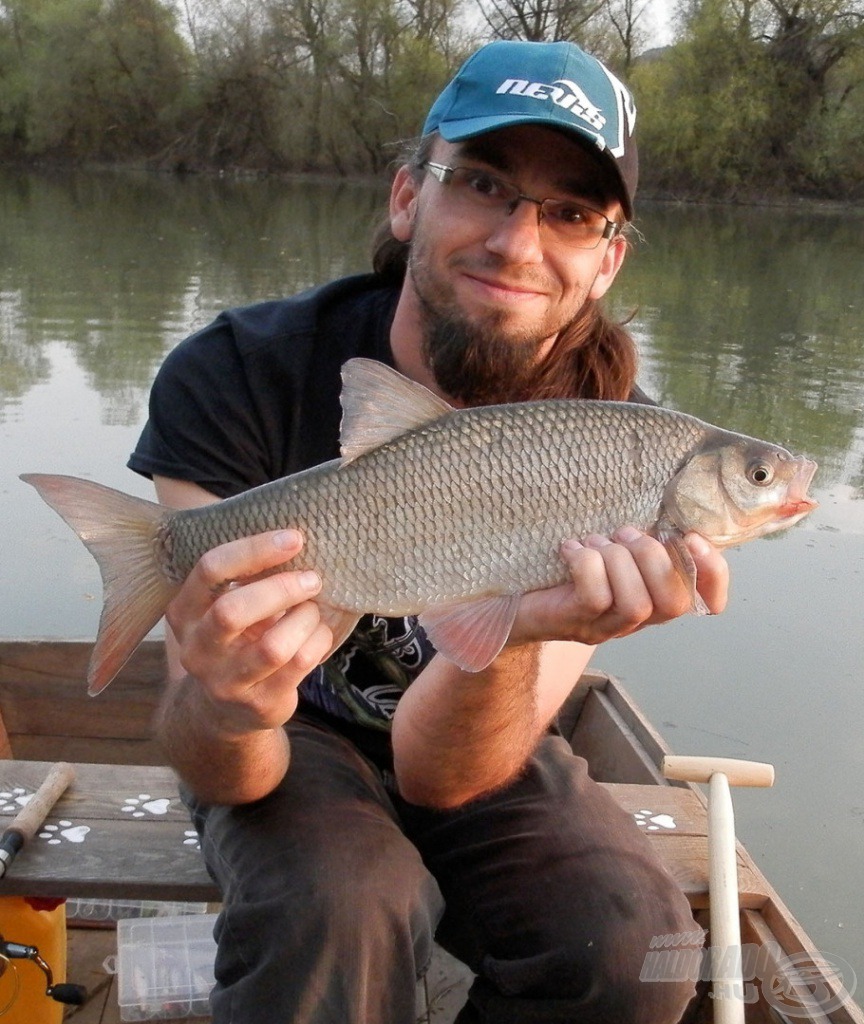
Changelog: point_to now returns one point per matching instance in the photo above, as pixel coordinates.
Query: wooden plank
(48, 714)
(609, 745)
(801, 974)
(639, 727)
(66, 660)
(686, 858)
(86, 952)
(676, 821)
(571, 709)
(61, 708)
(88, 749)
(98, 791)
(661, 809)
(116, 832)
(121, 831)
(5, 744)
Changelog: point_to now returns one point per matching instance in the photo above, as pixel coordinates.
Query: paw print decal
(144, 804)
(14, 800)
(652, 822)
(64, 831)
(191, 838)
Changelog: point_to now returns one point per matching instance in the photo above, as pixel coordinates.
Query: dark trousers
(334, 888)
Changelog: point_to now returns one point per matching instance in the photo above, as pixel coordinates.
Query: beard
(480, 361)
(476, 364)
(482, 358)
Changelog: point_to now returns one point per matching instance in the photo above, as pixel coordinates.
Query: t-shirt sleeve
(203, 424)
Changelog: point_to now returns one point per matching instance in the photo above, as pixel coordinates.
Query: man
(384, 813)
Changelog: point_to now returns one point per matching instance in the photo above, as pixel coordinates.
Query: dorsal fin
(378, 404)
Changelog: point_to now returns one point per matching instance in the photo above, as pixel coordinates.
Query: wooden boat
(45, 715)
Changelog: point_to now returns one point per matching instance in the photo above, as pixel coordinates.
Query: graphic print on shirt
(371, 670)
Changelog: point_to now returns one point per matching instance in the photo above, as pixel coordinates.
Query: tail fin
(119, 531)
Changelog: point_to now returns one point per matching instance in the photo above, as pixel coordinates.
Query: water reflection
(749, 318)
(119, 267)
(753, 319)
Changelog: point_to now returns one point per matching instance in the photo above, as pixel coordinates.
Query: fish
(448, 514)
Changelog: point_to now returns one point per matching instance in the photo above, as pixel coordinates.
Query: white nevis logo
(563, 93)
(567, 95)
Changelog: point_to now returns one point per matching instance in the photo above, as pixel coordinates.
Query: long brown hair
(593, 356)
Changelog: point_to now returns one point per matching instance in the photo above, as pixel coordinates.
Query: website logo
(797, 985)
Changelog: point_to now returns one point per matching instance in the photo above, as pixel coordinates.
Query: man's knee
(622, 985)
(349, 939)
(592, 962)
(342, 895)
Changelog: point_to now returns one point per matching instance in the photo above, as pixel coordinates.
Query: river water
(750, 318)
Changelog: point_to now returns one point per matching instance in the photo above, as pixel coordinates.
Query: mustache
(504, 273)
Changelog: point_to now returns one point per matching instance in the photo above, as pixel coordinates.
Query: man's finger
(239, 559)
(247, 605)
(712, 572)
(248, 556)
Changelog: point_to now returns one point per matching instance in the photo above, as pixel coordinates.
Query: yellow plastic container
(22, 922)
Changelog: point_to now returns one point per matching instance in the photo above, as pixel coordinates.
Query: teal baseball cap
(558, 85)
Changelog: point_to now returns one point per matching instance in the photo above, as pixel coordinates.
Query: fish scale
(467, 505)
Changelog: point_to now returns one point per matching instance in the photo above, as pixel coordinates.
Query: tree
(111, 92)
(805, 41)
(757, 91)
(539, 20)
(628, 32)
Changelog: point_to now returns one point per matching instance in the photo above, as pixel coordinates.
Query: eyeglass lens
(571, 222)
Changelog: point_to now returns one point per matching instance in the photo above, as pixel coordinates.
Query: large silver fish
(452, 514)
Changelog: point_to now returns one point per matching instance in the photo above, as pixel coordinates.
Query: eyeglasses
(570, 222)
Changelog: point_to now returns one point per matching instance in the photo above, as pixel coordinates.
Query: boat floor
(87, 950)
(440, 996)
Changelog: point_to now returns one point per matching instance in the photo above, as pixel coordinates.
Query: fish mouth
(798, 502)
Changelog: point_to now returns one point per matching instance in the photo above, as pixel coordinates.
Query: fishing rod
(20, 831)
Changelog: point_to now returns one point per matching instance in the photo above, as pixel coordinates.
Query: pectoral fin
(471, 633)
(673, 540)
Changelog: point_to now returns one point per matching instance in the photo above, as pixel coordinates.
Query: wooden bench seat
(139, 852)
(121, 831)
(676, 820)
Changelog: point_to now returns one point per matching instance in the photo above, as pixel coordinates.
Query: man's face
(491, 291)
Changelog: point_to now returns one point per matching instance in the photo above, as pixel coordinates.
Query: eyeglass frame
(444, 174)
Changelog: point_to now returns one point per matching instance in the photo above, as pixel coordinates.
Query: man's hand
(619, 585)
(249, 640)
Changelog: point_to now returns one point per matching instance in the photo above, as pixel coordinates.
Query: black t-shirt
(254, 397)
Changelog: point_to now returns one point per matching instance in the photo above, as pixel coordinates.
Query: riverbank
(646, 194)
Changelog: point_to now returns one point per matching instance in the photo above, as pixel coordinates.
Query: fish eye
(760, 473)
